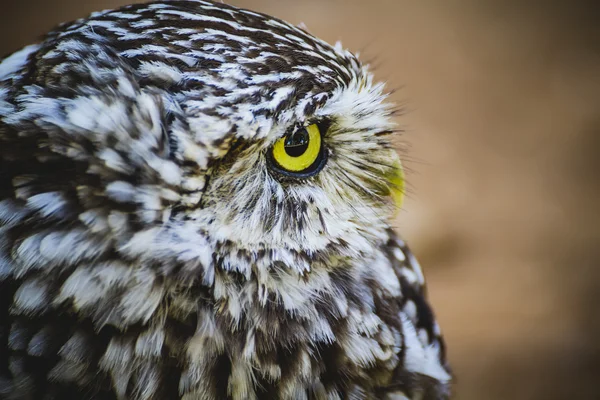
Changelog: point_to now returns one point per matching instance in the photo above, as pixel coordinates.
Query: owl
(195, 203)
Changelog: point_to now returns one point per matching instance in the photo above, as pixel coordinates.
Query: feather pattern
(147, 250)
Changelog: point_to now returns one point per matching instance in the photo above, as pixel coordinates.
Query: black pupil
(296, 144)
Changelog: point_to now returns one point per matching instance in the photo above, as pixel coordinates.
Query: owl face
(312, 181)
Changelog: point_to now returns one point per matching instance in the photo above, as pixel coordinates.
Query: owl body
(195, 203)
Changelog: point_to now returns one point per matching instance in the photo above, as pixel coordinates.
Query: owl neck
(277, 287)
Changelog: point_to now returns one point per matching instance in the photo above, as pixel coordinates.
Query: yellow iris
(298, 151)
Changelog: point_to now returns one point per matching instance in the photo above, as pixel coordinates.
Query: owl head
(202, 139)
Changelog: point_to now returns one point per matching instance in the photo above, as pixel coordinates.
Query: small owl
(195, 203)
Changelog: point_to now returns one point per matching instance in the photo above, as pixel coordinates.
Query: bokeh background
(502, 144)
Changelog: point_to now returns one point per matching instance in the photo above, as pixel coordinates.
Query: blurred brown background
(504, 158)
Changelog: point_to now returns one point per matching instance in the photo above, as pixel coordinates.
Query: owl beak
(395, 180)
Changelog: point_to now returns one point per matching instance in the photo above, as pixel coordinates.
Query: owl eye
(299, 153)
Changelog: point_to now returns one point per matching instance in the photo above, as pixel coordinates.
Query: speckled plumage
(147, 250)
